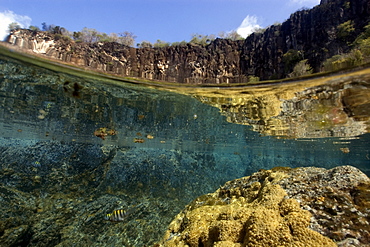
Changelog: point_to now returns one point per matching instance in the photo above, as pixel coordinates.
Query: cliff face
(312, 33)
(218, 62)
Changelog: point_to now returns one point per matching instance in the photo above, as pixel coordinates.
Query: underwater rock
(279, 207)
(59, 193)
(14, 225)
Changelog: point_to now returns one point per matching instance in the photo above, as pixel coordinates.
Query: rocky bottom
(58, 193)
(54, 194)
(279, 207)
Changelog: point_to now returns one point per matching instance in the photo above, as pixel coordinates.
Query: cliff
(313, 34)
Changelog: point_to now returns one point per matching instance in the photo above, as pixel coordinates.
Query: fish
(121, 214)
(139, 140)
(116, 215)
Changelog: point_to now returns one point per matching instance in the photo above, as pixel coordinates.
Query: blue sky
(150, 20)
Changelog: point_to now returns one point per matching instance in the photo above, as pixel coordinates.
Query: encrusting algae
(258, 213)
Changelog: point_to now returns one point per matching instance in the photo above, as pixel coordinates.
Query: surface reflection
(323, 107)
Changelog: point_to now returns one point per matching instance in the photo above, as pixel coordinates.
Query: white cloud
(248, 26)
(8, 17)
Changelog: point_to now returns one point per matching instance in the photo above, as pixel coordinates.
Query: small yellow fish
(121, 214)
(116, 215)
(139, 140)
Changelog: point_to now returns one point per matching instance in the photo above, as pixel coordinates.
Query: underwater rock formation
(59, 193)
(311, 33)
(279, 207)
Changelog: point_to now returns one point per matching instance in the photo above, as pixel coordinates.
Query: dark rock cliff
(313, 33)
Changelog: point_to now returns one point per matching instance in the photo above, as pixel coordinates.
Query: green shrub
(34, 28)
(291, 58)
(160, 43)
(182, 43)
(362, 36)
(145, 44)
(252, 78)
(348, 60)
(347, 5)
(345, 29)
(200, 39)
(301, 68)
(14, 26)
(364, 47)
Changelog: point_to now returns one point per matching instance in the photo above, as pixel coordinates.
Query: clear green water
(76, 147)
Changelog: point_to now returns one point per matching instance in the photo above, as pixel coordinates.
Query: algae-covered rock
(279, 207)
(14, 225)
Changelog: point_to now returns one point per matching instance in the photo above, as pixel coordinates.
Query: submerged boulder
(279, 207)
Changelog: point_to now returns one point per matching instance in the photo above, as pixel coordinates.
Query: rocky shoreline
(310, 34)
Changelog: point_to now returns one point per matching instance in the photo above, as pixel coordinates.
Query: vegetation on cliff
(359, 54)
(91, 35)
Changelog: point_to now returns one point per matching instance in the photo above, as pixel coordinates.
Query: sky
(151, 20)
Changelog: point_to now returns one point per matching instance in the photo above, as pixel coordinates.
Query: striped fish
(116, 215)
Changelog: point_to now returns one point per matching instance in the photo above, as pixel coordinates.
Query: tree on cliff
(45, 27)
(201, 39)
(127, 38)
(34, 28)
(233, 35)
(345, 30)
(14, 26)
(91, 35)
(301, 68)
(358, 55)
(160, 43)
(144, 44)
(54, 29)
(292, 58)
(58, 30)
